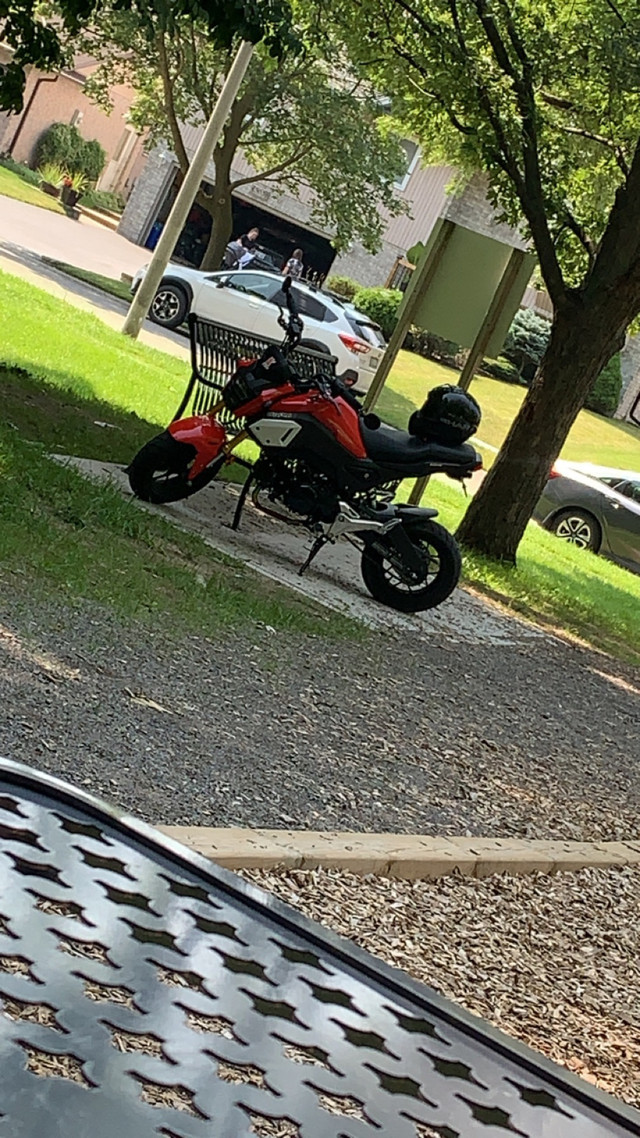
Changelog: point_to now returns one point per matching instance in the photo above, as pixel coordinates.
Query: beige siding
(426, 195)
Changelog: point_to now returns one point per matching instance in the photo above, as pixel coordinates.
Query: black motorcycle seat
(388, 446)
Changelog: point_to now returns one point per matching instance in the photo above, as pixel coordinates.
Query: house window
(412, 151)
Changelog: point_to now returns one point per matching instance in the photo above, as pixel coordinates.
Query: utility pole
(186, 195)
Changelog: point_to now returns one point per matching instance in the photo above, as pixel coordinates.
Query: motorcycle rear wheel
(443, 565)
(158, 473)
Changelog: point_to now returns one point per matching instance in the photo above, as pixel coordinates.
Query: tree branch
(528, 182)
(281, 166)
(580, 232)
(603, 141)
(169, 104)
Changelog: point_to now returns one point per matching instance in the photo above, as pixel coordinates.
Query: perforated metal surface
(215, 351)
(144, 992)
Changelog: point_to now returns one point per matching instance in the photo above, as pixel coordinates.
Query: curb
(397, 855)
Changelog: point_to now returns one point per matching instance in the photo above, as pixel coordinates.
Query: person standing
(242, 251)
(294, 265)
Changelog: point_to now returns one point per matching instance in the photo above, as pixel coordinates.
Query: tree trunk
(219, 207)
(584, 336)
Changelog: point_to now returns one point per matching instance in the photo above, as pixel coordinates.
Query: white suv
(250, 300)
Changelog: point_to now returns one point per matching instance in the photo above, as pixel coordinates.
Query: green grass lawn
(65, 374)
(593, 438)
(75, 352)
(65, 535)
(13, 186)
(571, 589)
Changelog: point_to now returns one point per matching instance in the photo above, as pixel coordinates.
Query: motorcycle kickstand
(241, 501)
(318, 544)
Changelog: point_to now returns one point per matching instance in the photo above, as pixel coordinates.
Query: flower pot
(48, 188)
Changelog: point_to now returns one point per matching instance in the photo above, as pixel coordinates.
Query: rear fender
(406, 513)
(416, 513)
(206, 434)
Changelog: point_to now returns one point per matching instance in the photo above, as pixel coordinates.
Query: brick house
(51, 98)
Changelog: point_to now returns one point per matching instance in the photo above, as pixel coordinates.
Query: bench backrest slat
(215, 352)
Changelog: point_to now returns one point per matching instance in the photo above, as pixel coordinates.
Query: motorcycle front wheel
(397, 587)
(158, 473)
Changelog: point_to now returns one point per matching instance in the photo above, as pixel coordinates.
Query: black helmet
(449, 415)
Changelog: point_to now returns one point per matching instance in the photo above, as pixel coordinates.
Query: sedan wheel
(579, 528)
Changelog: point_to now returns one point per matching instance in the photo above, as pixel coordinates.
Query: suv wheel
(169, 306)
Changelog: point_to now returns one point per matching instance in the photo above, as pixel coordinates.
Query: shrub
(343, 286)
(500, 369)
(380, 305)
(432, 347)
(527, 341)
(605, 393)
(24, 172)
(52, 173)
(93, 160)
(103, 199)
(64, 145)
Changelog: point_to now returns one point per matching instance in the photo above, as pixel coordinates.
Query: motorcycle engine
(299, 488)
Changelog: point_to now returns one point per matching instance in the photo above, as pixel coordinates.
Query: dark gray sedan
(596, 508)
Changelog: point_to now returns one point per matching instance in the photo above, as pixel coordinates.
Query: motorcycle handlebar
(288, 295)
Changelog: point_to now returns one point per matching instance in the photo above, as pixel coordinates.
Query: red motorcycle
(326, 465)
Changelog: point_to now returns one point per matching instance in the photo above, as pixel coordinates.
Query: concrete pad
(276, 551)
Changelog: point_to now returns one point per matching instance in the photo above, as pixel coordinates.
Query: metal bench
(215, 351)
(146, 992)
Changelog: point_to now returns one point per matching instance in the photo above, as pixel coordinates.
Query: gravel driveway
(537, 739)
(553, 961)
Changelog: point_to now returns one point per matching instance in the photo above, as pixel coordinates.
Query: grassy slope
(81, 371)
(14, 187)
(61, 533)
(585, 594)
(79, 354)
(592, 438)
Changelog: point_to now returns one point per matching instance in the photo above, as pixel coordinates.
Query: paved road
(83, 243)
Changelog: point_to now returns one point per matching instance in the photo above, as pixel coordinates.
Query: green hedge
(63, 145)
(343, 286)
(380, 305)
(25, 172)
(103, 199)
(605, 393)
(501, 369)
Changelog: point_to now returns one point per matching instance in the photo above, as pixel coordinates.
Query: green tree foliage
(63, 145)
(380, 305)
(605, 393)
(544, 97)
(301, 120)
(527, 341)
(39, 42)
